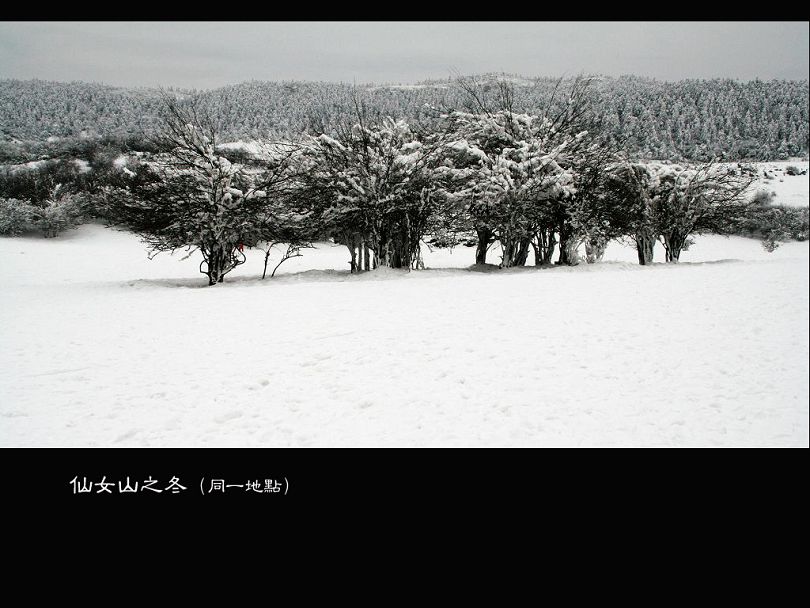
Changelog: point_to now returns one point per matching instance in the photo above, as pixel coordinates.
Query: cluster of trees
(56, 213)
(38, 109)
(486, 172)
(684, 120)
(672, 202)
(383, 187)
(53, 195)
(703, 119)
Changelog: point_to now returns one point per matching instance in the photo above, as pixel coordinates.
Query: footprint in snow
(127, 435)
(228, 416)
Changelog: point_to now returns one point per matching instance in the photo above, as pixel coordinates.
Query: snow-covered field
(789, 190)
(100, 346)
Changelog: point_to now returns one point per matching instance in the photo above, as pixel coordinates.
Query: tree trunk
(366, 257)
(406, 251)
(395, 242)
(353, 262)
(645, 245)
(360, 243)
(568, 253)
(484, 238)
(266, 259)
(568, 246)
(419, 263)
(213, 267)
(221, 265)
(217, 260)
(523, 252)
(509, 248)
(381, 254)
(515, 251)
(595, 249)
(395, 252)
(544, 246)
(396, 258)
(673, 245)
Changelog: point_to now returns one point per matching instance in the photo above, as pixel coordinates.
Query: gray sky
(211, 54)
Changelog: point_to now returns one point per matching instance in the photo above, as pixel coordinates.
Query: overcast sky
(210, 54)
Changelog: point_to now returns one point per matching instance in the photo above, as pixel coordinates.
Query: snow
(409, 87)
(103, 347)
(254, 148)
(29, 166)
(791, 190)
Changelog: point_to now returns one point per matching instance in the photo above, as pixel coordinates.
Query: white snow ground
(791, 190)
(100, 346)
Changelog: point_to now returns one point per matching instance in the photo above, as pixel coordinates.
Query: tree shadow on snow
(387, 274)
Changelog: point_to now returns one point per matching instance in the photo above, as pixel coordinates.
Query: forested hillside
(690, 119)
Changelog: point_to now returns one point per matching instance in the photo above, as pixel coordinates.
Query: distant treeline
(689, 119)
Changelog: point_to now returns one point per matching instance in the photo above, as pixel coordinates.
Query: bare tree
(293, 251)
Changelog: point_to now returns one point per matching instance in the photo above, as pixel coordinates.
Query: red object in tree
(240, 247)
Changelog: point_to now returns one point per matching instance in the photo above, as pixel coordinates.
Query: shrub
(58, 213)
(779, 224)
(35, 183)
(763, 197)
(15, 216)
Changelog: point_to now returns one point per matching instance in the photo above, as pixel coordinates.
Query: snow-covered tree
(371, 188)
(583, 213)
(192, 197)
(57, 213)
(15, 216)
(692, 200)
(671, 202)
(515, 170)
(631, 187)
(513, 173)
(775, 224)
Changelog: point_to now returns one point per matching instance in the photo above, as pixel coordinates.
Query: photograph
(400, 234)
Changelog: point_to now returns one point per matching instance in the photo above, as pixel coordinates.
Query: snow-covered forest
(682, 120)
